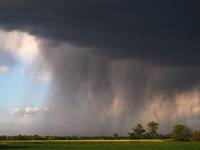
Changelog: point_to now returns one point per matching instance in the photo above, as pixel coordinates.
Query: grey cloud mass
(114, 62)
(162, 32)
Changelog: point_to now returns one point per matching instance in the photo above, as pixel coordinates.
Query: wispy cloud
(4, 69)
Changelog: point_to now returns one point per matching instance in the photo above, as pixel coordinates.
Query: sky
(97, 67)
(14, 82)
(22, 92)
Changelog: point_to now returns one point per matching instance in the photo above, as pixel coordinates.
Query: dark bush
(196, 136)
(181, 133)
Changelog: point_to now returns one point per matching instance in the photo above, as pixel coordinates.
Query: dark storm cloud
(165, 32)
(113, 61)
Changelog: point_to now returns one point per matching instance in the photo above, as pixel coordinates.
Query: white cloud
(4, 69)
(21, 45)
(26, 116)
(27, 112)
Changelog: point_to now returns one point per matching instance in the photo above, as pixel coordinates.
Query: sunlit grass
(99, 145)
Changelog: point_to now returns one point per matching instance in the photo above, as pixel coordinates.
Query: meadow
(99, 145)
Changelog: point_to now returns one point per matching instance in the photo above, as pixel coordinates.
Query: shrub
(196, 136)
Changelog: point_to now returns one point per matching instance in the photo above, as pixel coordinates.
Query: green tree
(138, 129)
(137, 132)
(181, 133)
(152, 127)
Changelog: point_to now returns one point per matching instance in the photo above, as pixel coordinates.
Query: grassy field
(99, 145)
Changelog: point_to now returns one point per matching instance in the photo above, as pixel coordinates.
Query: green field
(98, 145)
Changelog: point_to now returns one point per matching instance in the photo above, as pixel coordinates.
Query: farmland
(99, 145)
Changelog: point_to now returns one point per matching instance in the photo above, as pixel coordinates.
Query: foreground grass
(99, 145)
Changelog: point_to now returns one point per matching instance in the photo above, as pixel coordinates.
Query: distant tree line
(74, 137)
(179, 133)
